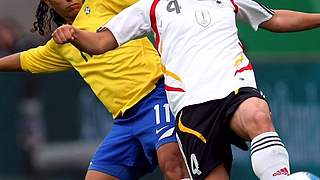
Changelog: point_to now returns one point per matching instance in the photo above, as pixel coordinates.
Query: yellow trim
(169, 73)
(236, 91)
(190, 131)
(238, 60)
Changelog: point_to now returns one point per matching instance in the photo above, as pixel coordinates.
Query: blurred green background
(71, 121)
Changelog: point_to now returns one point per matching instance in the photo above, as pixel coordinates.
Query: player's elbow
(96, 51)
(103, 47)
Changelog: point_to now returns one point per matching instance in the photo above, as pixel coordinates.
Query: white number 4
(194, 165)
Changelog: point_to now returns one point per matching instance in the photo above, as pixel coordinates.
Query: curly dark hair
(43, 22)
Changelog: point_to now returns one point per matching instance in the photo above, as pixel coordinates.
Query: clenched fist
(64, 34)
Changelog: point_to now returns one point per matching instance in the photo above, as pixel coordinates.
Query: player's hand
(64, 34)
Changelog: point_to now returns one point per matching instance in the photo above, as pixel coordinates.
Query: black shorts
(204, 133)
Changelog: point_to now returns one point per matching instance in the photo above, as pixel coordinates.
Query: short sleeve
(131, 23)
(43, 59)
(253, 12)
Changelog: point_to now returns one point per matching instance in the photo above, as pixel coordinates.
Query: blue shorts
(129, 150)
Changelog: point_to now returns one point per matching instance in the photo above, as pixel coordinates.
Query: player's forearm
(10, 63)
(292, 21)
(94, 43)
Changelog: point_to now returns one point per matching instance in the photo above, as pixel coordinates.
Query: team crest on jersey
(203, 17)
(87, 10)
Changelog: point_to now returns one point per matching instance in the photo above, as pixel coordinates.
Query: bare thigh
(252, 118)
(171, 162)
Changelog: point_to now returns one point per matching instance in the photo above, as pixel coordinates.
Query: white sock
(269, 158)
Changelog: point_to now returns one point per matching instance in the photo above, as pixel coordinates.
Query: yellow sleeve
(44, 59)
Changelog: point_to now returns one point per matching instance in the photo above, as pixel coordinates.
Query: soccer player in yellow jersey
(209, 81)
(129, 83)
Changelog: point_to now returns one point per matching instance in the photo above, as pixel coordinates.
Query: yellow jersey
(119, 78)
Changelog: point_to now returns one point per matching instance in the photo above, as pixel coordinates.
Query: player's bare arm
(10, 63)
(89, 42)
(291, 21)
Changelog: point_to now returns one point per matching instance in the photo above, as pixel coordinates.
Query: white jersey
(197, 39)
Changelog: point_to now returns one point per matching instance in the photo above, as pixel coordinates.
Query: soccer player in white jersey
(208, 79)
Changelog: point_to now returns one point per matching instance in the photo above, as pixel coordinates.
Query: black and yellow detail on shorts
(236, 91)
(185, 129)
